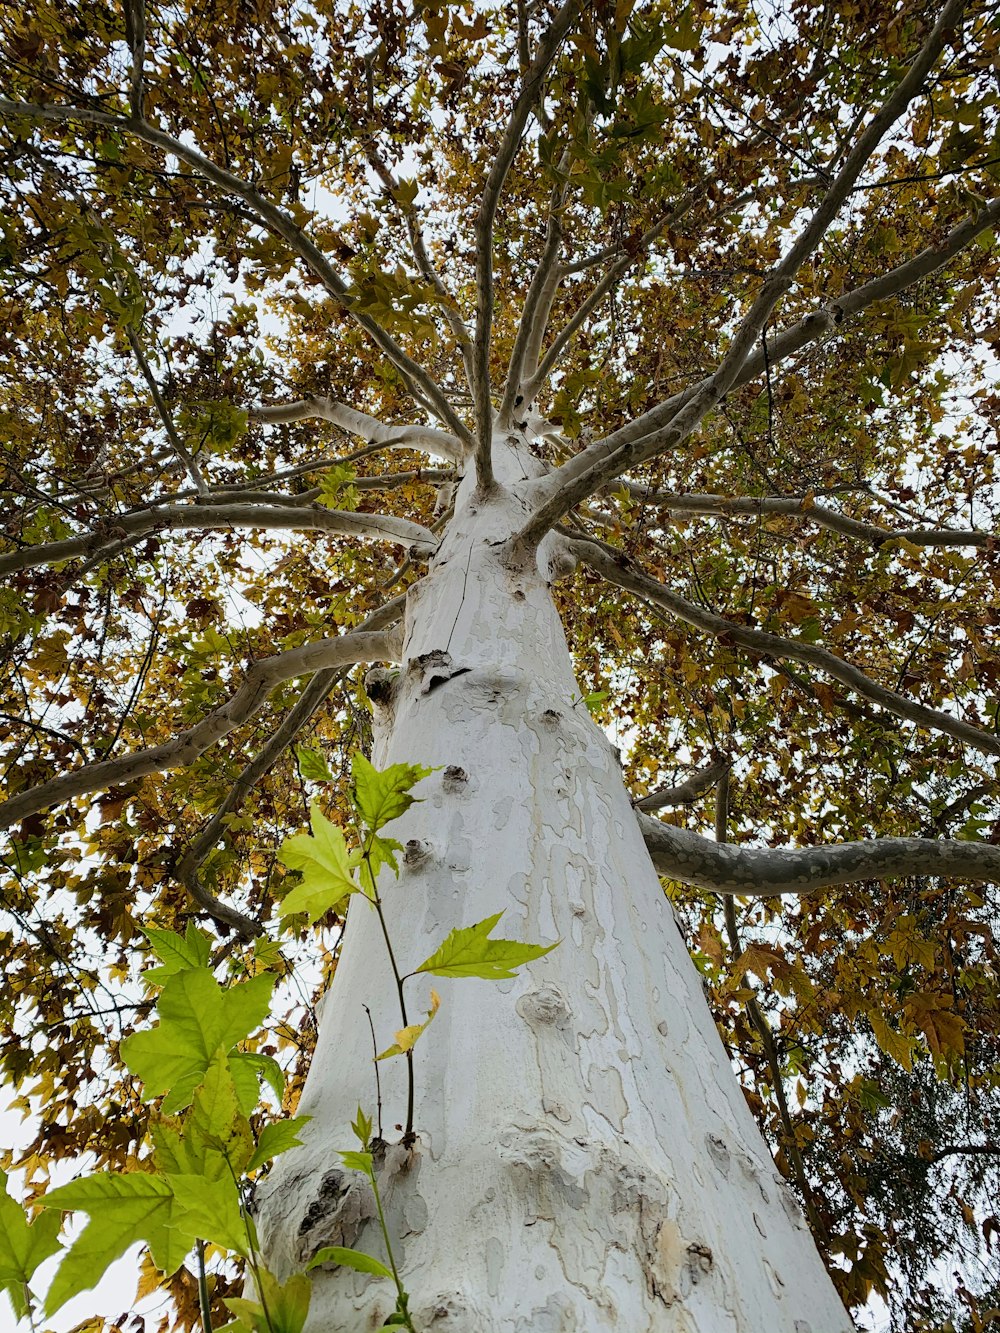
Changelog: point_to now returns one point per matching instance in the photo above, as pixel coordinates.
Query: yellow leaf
(893, 1043)
(406, 1038)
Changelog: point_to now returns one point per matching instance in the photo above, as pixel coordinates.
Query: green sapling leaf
(123, 1209)
(359, 1161)
(275, 1139)
(326, 868)
(362, 1127)
(469, 953)
(380, 797)
(176, 952)
(362, 1263)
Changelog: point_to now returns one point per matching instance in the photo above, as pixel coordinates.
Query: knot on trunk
(343, 1204)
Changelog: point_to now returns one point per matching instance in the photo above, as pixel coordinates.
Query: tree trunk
(584, 1160)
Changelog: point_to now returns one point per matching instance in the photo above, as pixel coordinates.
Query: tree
(450, 331)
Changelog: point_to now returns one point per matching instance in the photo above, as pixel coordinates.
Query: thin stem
(408, 1133)
(402, 1299)
(253, 1258)
(378, 1079)
(204, 1302)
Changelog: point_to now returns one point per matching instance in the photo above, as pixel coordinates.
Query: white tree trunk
(585, 1160)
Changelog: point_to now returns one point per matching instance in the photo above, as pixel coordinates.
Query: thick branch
(369, 428)
(806, 508)
(684, 793)
(489, 204)
(135, 36)
(607, 284)
(625, 575)
(270, 215)
(762, 872)
(537, 304)
(445, 301)
(261, 678)
(277, 743)
(126, 527)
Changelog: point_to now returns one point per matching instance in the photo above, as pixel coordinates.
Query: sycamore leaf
(406, 1037)
(123, 1209)
(893, 1043)
(325, 864)
(275, 1139)
(380, 852)
(197, 1017)
(179, 1152)
(361, 1263)
(287, 1305)
(210, 1210)
(362, 1126)
(469, 953)
(176, 952)
(380, 797)
(359, 1161)
(217, 1117)
(312, 765)
(247, 1068)
(23, 1246)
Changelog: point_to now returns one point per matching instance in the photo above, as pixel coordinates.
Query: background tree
(706, 294)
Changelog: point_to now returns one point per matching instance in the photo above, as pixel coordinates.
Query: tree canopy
(274, 273)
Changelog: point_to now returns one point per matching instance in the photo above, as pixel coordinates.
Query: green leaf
(326, 867)
(275, 1139)
(123, 1209)
(359, 1161)
(217, 1117)
(312, 765)
(287, 1306)
(177, 953)
(335, 489)
(468, 953)
(362, 1127)
(381, 796)
(23, 1246)
(362, 1263)
(247, 1068)
(380, 852)
(197, 1017)
(210, 1210)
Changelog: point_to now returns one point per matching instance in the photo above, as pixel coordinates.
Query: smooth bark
(585, 1160)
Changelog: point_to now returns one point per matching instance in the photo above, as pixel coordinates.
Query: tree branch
(621, 572)
(309, 700)
(135, 36)
(125, 528)
(684, 793)
(163, 412)
(806, 508)
(537, 304)
(731, 869)
(261, 678)
(489, 204)
(360, 423)
(445, 301)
